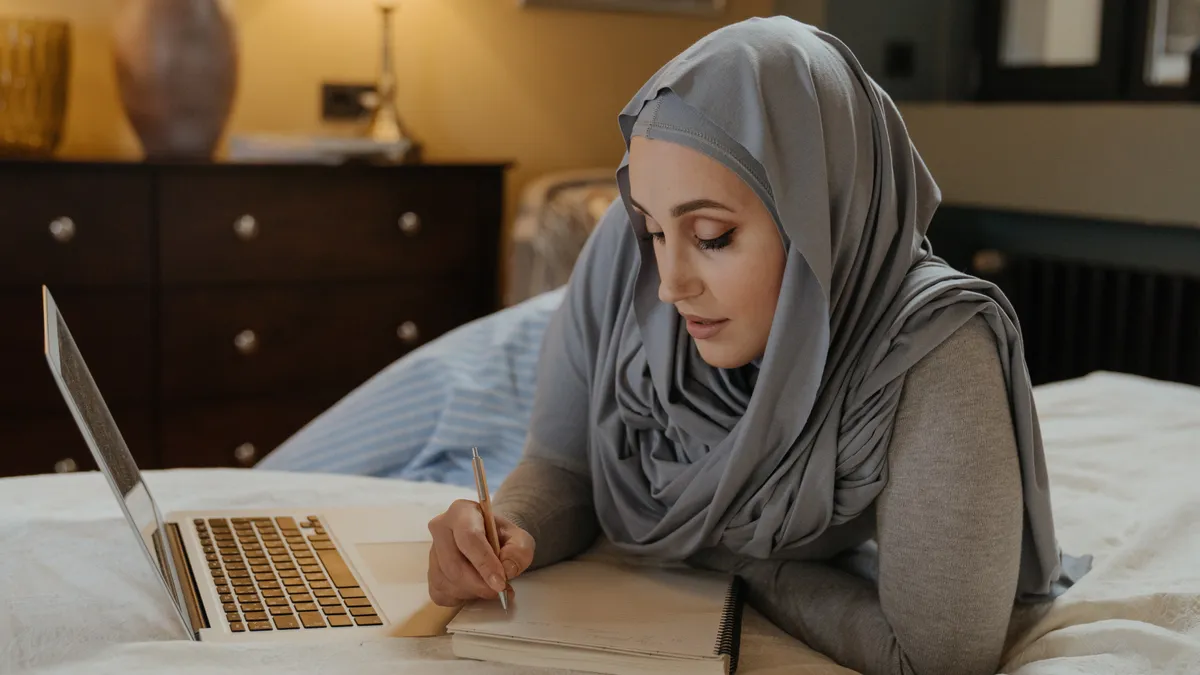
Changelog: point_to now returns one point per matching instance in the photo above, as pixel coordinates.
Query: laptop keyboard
(280, 574)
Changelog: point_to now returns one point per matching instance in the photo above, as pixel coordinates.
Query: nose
(677, 279)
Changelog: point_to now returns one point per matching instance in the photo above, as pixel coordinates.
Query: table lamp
(385, 126)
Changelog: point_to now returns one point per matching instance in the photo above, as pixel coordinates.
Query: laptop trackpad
(396, 562)
(397, 574)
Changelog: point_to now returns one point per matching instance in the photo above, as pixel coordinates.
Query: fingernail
(510, 568)
(496, 583)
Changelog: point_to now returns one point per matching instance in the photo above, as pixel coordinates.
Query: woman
(760, 367)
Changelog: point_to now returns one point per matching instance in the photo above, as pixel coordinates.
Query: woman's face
(719, 254)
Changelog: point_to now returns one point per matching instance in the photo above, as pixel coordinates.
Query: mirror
(1174, 32)
(1051, 33)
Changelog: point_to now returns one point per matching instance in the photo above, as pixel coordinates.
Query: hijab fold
(768, 459)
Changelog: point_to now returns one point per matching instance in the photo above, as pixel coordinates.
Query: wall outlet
(344, 101)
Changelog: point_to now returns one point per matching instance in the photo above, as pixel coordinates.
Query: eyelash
(714, 244)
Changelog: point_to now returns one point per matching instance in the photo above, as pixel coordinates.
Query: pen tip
(474, 452)
(504, 601)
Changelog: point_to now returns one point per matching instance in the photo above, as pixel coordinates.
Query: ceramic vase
(176, 66)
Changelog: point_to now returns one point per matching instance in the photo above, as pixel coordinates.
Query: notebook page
(602, 604)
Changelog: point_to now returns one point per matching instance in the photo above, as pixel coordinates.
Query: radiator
(1081, 316)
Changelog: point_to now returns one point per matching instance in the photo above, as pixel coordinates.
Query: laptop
(276, 574)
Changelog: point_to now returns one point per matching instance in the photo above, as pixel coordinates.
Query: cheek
(749, 290)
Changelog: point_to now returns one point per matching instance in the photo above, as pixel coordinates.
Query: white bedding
(76, 596)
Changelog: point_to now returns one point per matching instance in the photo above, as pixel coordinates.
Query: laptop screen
(108, 446)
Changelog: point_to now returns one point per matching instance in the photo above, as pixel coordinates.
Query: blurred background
(248, 207)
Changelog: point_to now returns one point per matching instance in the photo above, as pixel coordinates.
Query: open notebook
(604, 614)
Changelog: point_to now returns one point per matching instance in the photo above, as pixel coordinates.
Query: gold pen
(489, 520)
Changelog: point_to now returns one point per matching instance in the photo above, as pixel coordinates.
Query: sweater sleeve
(949, 527)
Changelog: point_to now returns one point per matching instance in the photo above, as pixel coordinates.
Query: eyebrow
(687, 207)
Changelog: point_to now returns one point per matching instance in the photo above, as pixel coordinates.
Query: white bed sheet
(1123, 453)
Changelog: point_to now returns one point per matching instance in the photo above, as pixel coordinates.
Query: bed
(75, 595)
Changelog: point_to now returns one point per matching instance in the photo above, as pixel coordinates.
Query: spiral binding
(729, 638)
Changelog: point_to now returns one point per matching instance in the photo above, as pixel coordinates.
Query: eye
(656, 236)
(717, 243)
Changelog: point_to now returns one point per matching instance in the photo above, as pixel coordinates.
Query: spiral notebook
(602, 614)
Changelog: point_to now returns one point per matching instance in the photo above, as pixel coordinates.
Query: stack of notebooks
(605, 614)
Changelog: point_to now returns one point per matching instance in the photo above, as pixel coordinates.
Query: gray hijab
(766, 459)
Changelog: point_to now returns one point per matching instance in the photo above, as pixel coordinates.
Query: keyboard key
(264, 576)
(260, 625)
(235, 566)
(226, 597)
(362, 611)
(239, 574)
(329, 602)
(314, 576)
(242, 581)
(286, 622)
(371, 620)
(339, 621)
(256, 616)
(237, 627)
(318, 584)
(305, 607)
(214, 565)
(352, 592)
(281, 611)
(209, 549)
(324, 592)
(312, 619)
(324, 545)
(280, 559)
(334, 609)
(303, 597)
(211, 557)
(223, 589)
(272, 593)
(268, 584)
(198, 521)
(232, 616)
(253, 607)
(319, 530)
(286, 522)
(229, 607)
(247, 597)
(319, 537)
(309, 569)
(277, 602)
(296, 541)
(358, 602)
(288, 574)
(229, 550)
(294, 585)
(277, 550)
(239, 521)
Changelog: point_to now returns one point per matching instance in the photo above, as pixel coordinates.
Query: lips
(703, 328)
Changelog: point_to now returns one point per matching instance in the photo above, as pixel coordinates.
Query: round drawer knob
(988, 261)
(245, 454)
(246, 342)
(67, 465)
(62, 229)
(410, 223)
(246, 227)
(408, 333)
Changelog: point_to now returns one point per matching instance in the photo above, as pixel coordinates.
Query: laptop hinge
(183, 571)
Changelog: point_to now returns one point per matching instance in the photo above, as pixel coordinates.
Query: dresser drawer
(318, 224)
(112, 328)
(52, 443)
(222, 342)
(74, 225)
(236, 433)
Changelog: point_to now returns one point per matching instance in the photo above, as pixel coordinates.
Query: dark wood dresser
(220, 307)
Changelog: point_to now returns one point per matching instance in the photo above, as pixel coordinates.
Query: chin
(720, 356)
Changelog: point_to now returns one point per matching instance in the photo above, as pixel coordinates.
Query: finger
(472, 541)
(457, 570)
(447, 592)
(516, 550)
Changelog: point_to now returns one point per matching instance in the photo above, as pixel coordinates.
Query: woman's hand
(462, 565)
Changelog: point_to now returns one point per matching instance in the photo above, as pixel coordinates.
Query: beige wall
(479, 79)
(484, 79)
(1137, 162)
